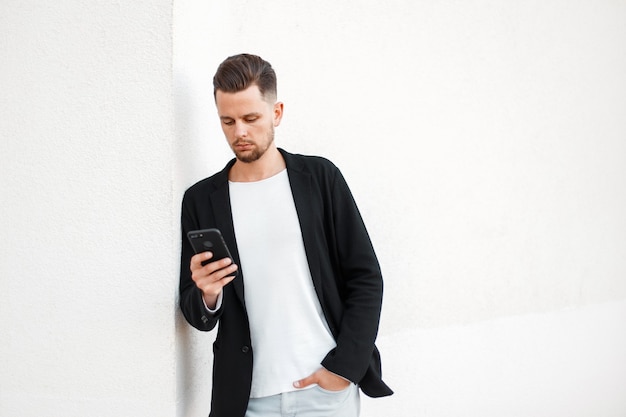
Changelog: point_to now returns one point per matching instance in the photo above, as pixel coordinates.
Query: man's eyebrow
(245, 116)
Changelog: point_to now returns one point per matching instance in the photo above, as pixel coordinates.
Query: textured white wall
(485, 143)
(89, 241)
(483, 140)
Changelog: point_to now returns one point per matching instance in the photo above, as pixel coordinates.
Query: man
(297, 323)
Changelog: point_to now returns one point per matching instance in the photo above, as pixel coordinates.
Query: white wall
(89, 241)
(485, 143)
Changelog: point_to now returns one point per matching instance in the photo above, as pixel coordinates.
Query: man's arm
(361, 287)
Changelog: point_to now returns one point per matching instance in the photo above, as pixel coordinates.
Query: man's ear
(278, 113)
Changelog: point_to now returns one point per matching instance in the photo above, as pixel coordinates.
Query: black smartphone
(210, 240)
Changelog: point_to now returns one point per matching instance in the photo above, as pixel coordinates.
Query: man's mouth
(240, 144)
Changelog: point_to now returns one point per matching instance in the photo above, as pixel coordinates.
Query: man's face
(248, 122)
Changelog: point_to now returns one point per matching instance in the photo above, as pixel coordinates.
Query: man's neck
(270, 164)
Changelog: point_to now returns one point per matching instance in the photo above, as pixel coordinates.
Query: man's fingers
(205, 270)
(222, 271)
(211, 273)
(325, 379)
(225, 281)
(196, 260)
(305, 382)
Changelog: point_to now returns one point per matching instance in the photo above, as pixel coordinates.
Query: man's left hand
(325, 379)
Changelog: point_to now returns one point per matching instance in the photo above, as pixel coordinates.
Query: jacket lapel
(301, 189)
(220, 202)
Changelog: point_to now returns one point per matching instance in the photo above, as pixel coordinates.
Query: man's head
(245, 97)
(239, 72)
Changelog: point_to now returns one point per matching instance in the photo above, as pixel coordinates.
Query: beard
(257, 151)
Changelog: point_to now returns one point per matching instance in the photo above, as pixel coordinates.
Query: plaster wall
(88, 254)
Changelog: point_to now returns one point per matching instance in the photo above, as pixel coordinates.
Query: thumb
(305, 382)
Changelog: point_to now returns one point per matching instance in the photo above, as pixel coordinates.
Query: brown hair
(241, 71)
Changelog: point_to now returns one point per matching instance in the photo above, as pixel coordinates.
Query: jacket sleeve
(359, 281)
(190, 296)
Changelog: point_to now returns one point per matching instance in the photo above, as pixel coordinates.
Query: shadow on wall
(194, 368)
(193, 348)
(183, 363)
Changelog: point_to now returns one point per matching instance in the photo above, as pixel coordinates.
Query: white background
(484, 142)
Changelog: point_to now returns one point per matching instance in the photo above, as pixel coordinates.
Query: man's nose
(240, 130)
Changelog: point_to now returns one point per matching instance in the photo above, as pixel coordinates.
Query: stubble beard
(255, 153)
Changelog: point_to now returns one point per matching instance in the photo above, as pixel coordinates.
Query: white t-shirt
(289, 333)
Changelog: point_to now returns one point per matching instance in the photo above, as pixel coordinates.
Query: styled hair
(239, 72)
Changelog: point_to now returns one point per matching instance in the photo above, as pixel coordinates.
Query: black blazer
(343, 265)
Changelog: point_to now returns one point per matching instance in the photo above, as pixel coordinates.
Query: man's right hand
(212, 277)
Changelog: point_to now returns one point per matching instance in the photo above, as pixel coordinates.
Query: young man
(297, 324)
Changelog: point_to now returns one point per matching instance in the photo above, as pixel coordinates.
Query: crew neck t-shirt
(289, 334)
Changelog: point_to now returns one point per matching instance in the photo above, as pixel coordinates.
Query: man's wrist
(214, 303)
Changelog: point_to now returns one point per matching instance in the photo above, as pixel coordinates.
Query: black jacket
(343, 266)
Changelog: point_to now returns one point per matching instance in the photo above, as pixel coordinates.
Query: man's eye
(228, 122)
(251, 120)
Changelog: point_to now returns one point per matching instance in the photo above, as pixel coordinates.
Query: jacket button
(245, 349)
